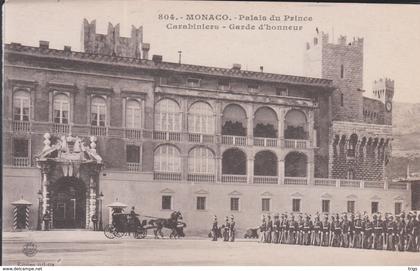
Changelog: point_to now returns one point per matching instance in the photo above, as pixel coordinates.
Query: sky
(391, 33)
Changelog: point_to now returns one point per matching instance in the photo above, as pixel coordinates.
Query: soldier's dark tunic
(284, 238)
(410, 231)
(358, 233)
(268, 231)
(401, 234)
(378, 231)
(215, 230)
(391, 231)
(300, 232)
(316, 232)
(336, 230)
(276, 235)
(307, 228)
(345, 233)
(368, 226)
(232, 231)
(325, 235)
(226, 231)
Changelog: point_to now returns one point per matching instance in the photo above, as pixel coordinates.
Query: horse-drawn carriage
(127, 224)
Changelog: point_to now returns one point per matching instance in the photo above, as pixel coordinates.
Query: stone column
(250, 169)
(311, 129)
(311, 168)
(45, 168)
(280, 171)
(184, 167)
(218, 169)
(281, 127)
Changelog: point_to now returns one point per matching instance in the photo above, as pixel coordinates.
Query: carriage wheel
(118, 234)
(140, 233)
(109, 231)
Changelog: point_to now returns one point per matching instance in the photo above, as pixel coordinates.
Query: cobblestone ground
(93, 248)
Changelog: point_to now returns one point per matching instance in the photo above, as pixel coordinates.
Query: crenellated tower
(383, 90)
(112, 43)
(341, 62)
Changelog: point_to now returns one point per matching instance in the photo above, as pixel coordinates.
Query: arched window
(234, 121)
(234, 162)
(167, 116)
(296, 125)
(265, 164)
(201, 160)
(133, 114)
(167, 159)
(265, 123)
(61, 109)
(98, 111)
(295, 165)
(201, 119)
(21, 105)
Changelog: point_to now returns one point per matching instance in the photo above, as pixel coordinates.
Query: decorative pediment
(62, 86)
(326, 196)
(235, 193)
(167, 191)
(375, 197)
(352, 196)
(398, 198)
(201, 192)
(296, 195)
(267, 194)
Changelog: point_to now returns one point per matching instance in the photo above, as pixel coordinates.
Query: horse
(171, 223)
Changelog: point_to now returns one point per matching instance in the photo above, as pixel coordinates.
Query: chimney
(67, 48)
(157, 59)
(43, 44)
(145, 47)
(236, 67)
(261, 68)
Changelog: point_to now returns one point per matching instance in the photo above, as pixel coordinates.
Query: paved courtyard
(92, 248)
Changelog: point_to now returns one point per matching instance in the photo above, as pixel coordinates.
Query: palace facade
(83, 130)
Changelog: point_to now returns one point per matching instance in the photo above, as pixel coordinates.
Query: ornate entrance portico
(70, 170)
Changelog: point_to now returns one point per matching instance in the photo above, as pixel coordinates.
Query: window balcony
(265, 142)
(265, 180)
(234, 140)
(21, 162)
(201, 178)
(200, 138)
(227, 178)
(61, 128)
(169, 136)
(133, 167)
(98, 131)
(350, 183)
(296, 180)
(21, 126)
(325, 182)
(133, 133)
(170, 176)
(296, 143)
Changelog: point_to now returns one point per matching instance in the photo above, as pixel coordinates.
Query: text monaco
(225, 17)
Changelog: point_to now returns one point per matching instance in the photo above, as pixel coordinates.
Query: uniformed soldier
(95, 222)
(377, 231)
(276, 229)
(284, 238)
(410, 231)
(325, 235)
(262, 229)
(307, 228)
(351, 229)
(299, 240)
(336, 231)
(232, 229)
(226, 227)
(391, 233)
(269, 229)
(368, 239)
(345, 231)
(293, 227)
(400, 232)
(215, 229)
(358, 232)
(418, 232)
(47, 220)
(316, 231)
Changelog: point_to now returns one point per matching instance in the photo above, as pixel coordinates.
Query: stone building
(85, 129)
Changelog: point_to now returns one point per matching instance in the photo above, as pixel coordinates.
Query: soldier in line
(345, 231)
(47, 220)
(378, 233)
(410, 230)
(400, 232)
(293, 227)
(232, 229)
(418, 233)
(316, 231)
(215, 229)
(391, 232)
(226, 227)
(358, 232)
(307, 228)
(351, 229)
(300, 230)
(269, 229)
(262, 229)
(276, 229)
(325, 235)
(284, 226)
(335, 231)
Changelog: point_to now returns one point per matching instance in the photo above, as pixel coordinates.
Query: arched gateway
(70, 170)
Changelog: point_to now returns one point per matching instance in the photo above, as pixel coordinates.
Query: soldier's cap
(231, 217)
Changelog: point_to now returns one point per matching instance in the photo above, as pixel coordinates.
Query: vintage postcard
(142, 133)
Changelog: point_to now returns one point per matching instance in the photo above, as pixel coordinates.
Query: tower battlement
(383, 83)
(112, 43)
(322, 39)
